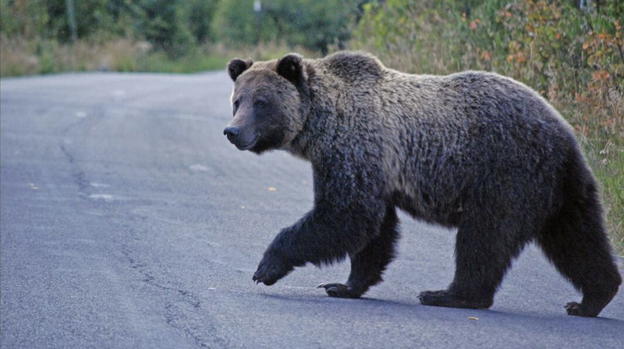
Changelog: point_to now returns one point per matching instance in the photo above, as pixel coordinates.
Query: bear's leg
(576, 243)
(368, 264)
(483, 253)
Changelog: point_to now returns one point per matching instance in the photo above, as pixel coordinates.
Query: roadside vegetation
(40, 37)
(571, 51)
(573, 56)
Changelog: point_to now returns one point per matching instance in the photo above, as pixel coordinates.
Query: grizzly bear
(475, 151)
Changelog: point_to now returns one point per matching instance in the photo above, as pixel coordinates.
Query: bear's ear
(237, 66)
(291, 68)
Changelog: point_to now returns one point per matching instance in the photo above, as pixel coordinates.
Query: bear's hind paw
(577, 309)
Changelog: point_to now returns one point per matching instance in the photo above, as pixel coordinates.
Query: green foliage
(173, 26)
(236, 24)
(573, 57)
(22, 17)
(200, 15)
(162, 24)
(315, 25)
(176, 26)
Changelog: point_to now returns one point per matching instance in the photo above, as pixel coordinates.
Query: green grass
(20, 56)
(30, 57)
(608, 165)
(191, 63)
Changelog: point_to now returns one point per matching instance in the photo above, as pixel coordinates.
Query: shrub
(315, 25)
(573, 57)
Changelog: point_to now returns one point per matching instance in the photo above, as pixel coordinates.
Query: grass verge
(19, 56)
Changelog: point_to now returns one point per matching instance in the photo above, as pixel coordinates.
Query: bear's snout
(231, 133)
(242, 137)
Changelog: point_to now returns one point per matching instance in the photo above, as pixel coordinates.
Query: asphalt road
(128, 220)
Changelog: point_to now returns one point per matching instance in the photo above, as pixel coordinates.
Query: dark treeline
(175, 26)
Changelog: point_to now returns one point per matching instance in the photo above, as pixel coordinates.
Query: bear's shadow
(368, 306)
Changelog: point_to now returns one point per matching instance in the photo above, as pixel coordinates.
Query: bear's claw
(573, 308)
(339, 290)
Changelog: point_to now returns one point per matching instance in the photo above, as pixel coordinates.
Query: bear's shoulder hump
(353, 64)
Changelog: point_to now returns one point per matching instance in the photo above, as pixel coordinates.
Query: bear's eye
(260, 102)
(235, 104)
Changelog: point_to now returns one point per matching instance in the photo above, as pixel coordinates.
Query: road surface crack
(183, 312)
(79, 176)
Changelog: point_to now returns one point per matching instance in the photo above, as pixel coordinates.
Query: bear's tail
(574, 238)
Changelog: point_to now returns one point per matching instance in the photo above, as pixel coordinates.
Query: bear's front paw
(271, 268)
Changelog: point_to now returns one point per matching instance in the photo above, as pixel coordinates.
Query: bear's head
(268, 102)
